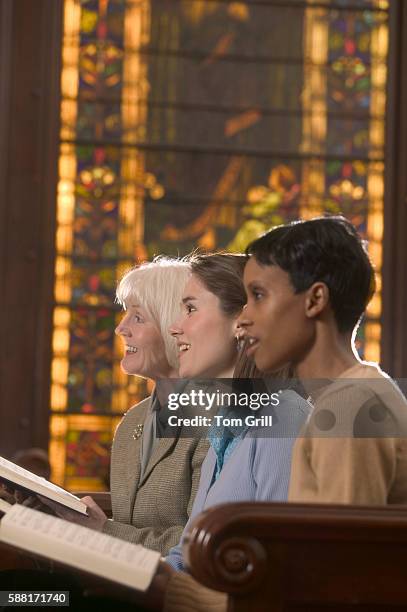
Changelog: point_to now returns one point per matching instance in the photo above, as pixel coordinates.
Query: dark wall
(30, 36)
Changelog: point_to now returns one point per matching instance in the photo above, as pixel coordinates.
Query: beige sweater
(184, 594)
(350, 451)
(343, 469)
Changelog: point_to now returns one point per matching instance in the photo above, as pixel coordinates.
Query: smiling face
(275, 320)
(143, 344)
(204, 334)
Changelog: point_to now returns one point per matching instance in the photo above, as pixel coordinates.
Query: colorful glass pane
(82, 445)
(194, 123)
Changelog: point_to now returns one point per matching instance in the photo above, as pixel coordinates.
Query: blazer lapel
(133, 458)
(162, 447)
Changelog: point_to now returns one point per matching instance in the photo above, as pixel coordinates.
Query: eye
(189, 308)
(137, 318)
(257, 294)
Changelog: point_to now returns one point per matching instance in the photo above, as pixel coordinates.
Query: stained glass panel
(195, 123)
(80, 445)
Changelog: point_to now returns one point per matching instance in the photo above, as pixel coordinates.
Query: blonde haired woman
(154, 478)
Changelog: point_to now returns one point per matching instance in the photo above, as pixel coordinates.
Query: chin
(263, 363)
(130, 372)
(128, 369)
(125, 368)
(187, 373)
(183, 373)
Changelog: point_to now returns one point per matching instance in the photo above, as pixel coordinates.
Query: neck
(221, 372)
(166, 386)
(226, 373)
(330, 355)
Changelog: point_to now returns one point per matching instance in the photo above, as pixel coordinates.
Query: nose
(244, 321)
(175, 329)
(122, 329)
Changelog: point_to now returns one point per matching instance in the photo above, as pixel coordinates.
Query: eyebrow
(188, 299)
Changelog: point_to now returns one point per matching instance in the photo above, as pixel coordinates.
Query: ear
(316, 300)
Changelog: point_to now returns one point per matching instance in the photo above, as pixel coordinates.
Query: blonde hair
(157, 286)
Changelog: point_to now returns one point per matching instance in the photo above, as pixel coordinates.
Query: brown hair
(222, 275)
(245, 366)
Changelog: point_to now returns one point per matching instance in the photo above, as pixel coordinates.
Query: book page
(16, 469)
(91, 550)
(18, 477)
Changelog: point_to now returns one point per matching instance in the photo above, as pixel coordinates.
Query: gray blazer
(152, 510)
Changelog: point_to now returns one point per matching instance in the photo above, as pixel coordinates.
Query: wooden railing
(286, 557)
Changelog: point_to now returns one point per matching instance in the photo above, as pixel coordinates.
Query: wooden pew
(302, 557)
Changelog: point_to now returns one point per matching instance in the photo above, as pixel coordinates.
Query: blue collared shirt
(223, 439)
(257, 467)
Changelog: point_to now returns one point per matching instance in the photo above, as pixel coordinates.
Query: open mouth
(130, 349)
(252, 345)
(183, 348)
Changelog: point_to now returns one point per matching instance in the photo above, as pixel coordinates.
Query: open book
(78, 547)
(19, 478)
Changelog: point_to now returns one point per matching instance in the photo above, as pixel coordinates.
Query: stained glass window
(198, 123)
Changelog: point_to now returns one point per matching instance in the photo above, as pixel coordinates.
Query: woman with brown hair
(249, 458)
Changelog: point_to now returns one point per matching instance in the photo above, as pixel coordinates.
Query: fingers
(21, 496)
(59, 510)
(89, 501)
(54, 507)
(31, 501)
(96, 517)
(36, 504)
(48, 502)
(12, 495)
(92, 506)
(6, 495)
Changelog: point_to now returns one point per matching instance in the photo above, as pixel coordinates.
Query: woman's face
(204, 334)
(144, 349)
(275, 322)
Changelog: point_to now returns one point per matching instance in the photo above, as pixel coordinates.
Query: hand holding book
(95, 518)
(22, 484)
(17, 496)
(7, 494)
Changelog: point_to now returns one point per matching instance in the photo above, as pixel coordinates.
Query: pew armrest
(270, 556)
